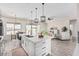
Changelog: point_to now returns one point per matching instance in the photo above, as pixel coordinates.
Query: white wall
(77, 22)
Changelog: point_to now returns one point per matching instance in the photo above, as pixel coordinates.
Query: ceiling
(23, 10)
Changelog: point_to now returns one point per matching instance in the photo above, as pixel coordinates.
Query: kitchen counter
(35, 46)
(34, 39)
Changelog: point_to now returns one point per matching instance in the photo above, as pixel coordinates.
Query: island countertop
(35, 39)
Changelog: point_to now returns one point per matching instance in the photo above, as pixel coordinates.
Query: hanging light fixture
(31, 12)
(36, 20)
(0, 14)
(43, 18)
(31, 23)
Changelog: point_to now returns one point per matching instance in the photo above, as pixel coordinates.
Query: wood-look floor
(62, 48)
(58, 48)
(19, 52)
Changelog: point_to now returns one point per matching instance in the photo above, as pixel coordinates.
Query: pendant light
(0, 14)
(31, 12)
(43, 18)
(36, 20)
(31, 23)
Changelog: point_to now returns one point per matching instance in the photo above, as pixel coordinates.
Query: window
(17, 26)
(10, 32)
(12, 28)
(34, 30)
(30, 30)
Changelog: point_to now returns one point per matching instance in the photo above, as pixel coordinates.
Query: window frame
(14, 30)
(31, 29)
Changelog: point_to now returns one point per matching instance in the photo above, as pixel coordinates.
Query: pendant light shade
(36, 20)
(43, 18)
(0, 14)
(31, 17)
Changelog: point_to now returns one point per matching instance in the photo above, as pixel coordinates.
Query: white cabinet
(65, 36)
(36, 47)
(40, 48)
(28, 46)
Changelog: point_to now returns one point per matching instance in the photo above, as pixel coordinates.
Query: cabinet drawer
(40, 53)
(43, 54)
(40, 44)
(41, 50)
(40, 47)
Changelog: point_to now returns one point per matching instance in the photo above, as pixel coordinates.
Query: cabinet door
(31, 48)
(40, 47)
(48, 46)
(25, 45)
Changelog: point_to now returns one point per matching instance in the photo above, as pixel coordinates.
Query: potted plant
(64, 29)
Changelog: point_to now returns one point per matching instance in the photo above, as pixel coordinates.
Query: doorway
(73, 31)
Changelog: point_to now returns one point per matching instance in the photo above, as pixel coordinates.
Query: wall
(59, 23)
(77, 22)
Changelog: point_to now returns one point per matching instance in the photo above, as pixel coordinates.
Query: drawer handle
(43, 47)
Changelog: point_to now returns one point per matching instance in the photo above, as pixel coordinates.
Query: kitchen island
(35, 46)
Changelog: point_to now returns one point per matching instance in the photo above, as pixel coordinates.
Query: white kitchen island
(35, 46)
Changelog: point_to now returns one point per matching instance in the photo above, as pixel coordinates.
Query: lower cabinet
(65, 36)
(35, 49)
(28, 47)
